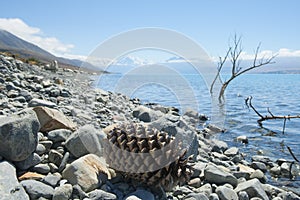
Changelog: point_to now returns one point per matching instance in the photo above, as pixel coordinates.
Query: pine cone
(147, 155)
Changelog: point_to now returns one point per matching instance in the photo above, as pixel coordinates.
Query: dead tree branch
(248, 102)
(292, 163)
(233, 55)
(220, 66)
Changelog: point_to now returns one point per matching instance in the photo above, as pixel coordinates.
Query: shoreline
(219, 170)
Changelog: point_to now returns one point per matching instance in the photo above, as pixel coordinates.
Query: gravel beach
(54, 130)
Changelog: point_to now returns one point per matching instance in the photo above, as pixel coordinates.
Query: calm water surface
(279, 92)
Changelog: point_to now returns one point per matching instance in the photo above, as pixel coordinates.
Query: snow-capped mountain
(131, 61)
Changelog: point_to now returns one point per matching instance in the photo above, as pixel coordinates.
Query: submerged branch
(248, 102)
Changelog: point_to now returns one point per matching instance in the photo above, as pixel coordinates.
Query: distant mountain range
(17, 46)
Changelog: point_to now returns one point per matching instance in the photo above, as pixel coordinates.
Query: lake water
(278, 92)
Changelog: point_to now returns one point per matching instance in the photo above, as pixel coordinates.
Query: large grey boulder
(84, 141)
(213, 174)
(18, 135)
(253, 188)
(10, 188)
(89, 172)
(37, 189)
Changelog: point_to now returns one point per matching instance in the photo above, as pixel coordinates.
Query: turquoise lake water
(278, 92)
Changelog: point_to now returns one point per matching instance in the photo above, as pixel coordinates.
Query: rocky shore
(52, 128)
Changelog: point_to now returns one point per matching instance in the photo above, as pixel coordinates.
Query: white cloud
(283, 52)
(288, 53)
(34, 35)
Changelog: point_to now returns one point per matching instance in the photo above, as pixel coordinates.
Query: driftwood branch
(248, 102)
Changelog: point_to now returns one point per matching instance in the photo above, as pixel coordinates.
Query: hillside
(16, 46)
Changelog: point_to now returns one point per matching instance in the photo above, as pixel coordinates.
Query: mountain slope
(15, 45)
(9, 41)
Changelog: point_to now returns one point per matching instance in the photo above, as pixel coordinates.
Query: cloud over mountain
(34, 35)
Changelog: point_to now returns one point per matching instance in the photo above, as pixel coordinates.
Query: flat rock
(52, 179)
(232, 151)
(10, 188)
(244, 168)
(40, 102)
(226, 193)
(213, 129)
(260, 158)
(84, 141)
(205, 189)
(59, 135)
(31, 176)
(213, 174)
(89, 172)
(259, 165)
(253, 188)
(51, 119)
(195, 182)
(63, 192)
(219, 146)
(37, 189)
(259, 175)
(41, 168)
(101, 194)
(18, 135)
(146, 114)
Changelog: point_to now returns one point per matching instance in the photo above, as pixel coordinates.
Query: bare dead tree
(271, 116)
(234, 55)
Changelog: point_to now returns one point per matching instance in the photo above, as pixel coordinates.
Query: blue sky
(77, 27)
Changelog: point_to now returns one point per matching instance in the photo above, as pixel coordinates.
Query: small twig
(270, 112)
(284, 122)
(292, 154)
(250, 104)
(292, 163)
(246, 102)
